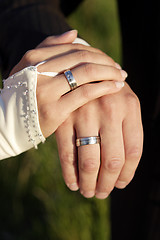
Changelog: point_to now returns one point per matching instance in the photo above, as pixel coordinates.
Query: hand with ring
(86, 65)
(100, 144)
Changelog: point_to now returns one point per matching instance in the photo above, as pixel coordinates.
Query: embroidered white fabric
(19, 123)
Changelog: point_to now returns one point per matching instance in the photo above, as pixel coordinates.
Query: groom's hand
(97, 169)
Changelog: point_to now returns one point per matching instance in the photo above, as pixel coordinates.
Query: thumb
(67, 37)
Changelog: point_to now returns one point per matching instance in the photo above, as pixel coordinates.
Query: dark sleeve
(24, 24)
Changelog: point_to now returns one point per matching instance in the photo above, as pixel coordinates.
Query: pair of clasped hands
(102, 105)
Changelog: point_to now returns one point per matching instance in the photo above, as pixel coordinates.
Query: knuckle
(83, 55)
(89, 70)
(107, 102)
(100, 51)
(77, 47)
(109, 106)
(44, 43)
(86, 113)
(97, 50)
(45, 113)
(67, 159)
(86, 92)
(114, 164)
(90, 165)
(110, 60)
(30, 56)
(132, 100)
(48, 39)
(133, 153)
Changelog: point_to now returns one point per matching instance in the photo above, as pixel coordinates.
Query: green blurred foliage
(34, 201)
(97, 22)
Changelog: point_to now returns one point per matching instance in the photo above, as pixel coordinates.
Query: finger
(133, 141)
(112, 157)
(72, 59)
(88, 92)
(67, 37)
(65, 137)
(83, 74)
(52, 52)
(88, 155)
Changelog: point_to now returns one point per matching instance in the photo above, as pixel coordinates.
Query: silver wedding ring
(71, 80)
(87, 141)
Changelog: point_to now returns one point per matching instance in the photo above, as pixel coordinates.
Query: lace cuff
(19, 123)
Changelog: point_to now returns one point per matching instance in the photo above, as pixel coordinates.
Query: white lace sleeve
(19, 123)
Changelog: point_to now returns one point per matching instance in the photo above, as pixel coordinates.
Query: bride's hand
(96, 75)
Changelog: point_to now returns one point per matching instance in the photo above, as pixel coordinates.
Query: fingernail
(118, 66)
(119, 84)
(124, 74)
(120, 184)
(70, 31)
(101, 195)
(89, 194)
(73, 186)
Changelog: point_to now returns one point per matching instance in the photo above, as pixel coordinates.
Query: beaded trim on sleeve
(26, 79)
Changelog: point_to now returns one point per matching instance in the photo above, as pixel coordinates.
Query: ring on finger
(70, 79)
(87, 141)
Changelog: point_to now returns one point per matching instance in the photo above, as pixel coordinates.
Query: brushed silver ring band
(70, 79)
(87, 141)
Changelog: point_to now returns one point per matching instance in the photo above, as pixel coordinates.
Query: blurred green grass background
(34, 201)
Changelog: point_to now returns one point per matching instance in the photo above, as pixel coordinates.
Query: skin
(117, 119)
(93, 109)
(97, 169)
